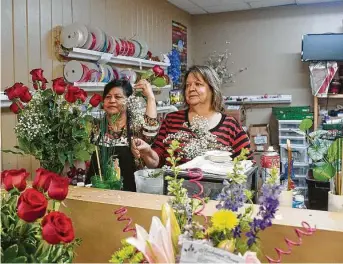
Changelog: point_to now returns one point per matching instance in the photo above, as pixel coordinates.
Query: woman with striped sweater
(203, 98)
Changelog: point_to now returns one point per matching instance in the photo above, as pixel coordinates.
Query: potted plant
(322, 167)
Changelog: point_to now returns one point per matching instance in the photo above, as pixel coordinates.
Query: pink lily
(157, 246)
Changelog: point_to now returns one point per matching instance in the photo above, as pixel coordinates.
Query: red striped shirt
(228, 132)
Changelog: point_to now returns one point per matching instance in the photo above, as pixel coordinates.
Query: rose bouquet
(32, 228)
(54, 124)
(234, 228)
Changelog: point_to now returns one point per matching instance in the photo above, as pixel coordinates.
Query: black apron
(126, 164)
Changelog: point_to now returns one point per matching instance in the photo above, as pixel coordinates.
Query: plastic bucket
(146, 184)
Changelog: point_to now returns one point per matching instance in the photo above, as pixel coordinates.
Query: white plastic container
(299, 154)
(286, 199)
(335, 203)
(146, 184)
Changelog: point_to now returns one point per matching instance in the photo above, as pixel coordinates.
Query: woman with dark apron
(112, 134)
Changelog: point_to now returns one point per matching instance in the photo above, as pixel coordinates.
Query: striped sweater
(228, 132)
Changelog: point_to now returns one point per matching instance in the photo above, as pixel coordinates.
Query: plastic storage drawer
(300, 170)
(290, 132)
(299, 154)
(295, 141)
(293, 124)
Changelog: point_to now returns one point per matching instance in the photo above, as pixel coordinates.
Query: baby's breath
(198, 140)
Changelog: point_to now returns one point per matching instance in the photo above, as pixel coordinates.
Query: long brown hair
(212, 79)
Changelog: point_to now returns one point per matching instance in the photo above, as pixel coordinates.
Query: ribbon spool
(111, 45)
(118, 46)
(107, 73)
(74, 36)
(138, 48)
(131, 48)
(144, 50)
(124, 47)
(129, 75)
(76, 71)
(116, 72)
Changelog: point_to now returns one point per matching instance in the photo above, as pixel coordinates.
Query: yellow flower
(224, 219)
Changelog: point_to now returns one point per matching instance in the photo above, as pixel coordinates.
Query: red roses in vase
(31, 205)
(53, 123)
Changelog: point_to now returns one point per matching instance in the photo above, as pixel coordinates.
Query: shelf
(77, 53)
(331, 96)
(99, 86)
(258, 99)
(166, 109)
(4, 100)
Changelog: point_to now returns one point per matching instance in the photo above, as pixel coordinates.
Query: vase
(335, 203)
(286, 198)
(147, 184)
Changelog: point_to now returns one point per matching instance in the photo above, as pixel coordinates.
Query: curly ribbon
(308, 232)
(87, 73)
(195, 176)
(122, 212)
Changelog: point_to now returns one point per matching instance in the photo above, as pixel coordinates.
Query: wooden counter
(92, 211)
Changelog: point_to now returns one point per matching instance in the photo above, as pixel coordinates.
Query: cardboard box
(259, 137)
(236, 111)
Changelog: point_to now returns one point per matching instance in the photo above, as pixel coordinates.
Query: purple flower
(237, 232)
(232, 197)
(268, 206)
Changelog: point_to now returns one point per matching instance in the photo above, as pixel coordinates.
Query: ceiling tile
(209, 3)
(266, 3)
(188, 6)
(227, 7)
(300, 2)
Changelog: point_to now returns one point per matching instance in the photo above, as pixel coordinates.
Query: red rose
(82, 95)
(56, 228)
(42, 179)
(58, 188)
(10, 92)
(26, 97)
(59, 85)
(31, 205)
(70, 96)
(14, 179)
(15, 108)
(37, 75)
(158, 71)
(18, 90)
(95, 100)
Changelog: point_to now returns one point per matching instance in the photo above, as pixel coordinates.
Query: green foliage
(54, 131)
(237, 176)
(305, 125)
(127, 254)
(21, 242)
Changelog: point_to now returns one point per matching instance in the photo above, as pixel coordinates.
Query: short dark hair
(122, 83)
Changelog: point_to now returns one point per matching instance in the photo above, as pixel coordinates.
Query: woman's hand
(139, 147)
(146, 89)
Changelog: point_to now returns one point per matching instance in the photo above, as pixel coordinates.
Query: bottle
(299, 202)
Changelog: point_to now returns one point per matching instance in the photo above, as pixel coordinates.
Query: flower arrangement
(197, 141)
(220, 63)
(32, 228)
(54, 124)
(174, 70)
(234, 228)
(156, 76)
